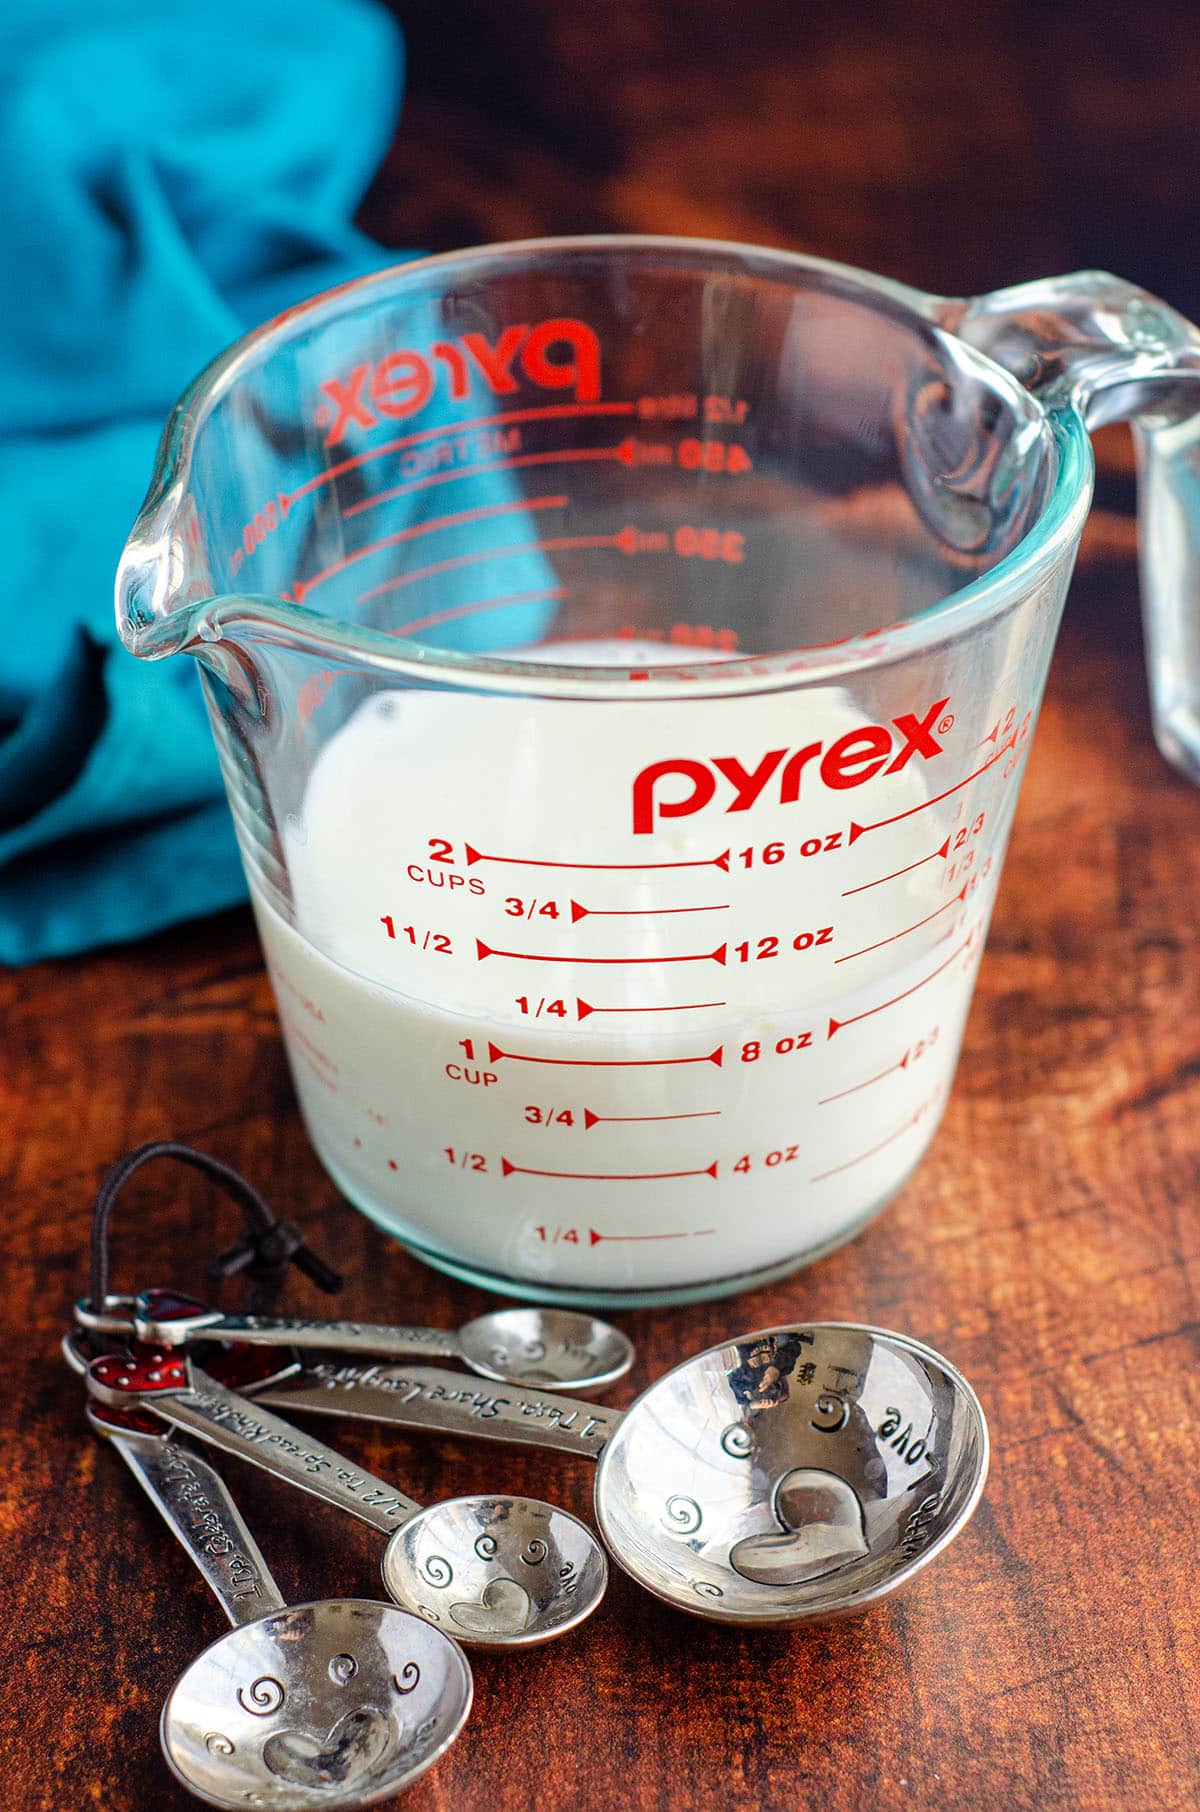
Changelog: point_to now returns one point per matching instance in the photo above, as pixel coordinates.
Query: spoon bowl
(560, 1348)
(340, 1703)
(496, 1572)
(793, 1475)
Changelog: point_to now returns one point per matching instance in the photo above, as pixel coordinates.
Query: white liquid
(632, 1125)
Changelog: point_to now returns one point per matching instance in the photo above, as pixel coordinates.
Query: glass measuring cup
(622, 655)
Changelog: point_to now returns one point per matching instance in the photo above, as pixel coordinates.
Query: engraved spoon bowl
(342, 1702)
(496, 1572)
(793, 1475)
(560, 1348)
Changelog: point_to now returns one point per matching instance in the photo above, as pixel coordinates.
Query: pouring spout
(163, 577)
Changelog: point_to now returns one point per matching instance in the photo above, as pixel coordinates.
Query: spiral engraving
(342, 1668)
(706, 1589)
(486, 1546)
(834, 1413)
(217, 1743)
(430, 1615)
(682, 1514)
(737, 1441)
(262, 1698)
(436, 1570)
(410, 1673)
(536, 1552)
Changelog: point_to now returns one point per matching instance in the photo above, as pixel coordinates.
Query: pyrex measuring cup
(622, 655)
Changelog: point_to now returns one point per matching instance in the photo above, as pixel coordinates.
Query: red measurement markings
(595, 1238)
(836, 1025)
(853, 1090)
(943, 851)
(862, 1156)
(475, 855)
(509, 1169)
(302, 587)
(590, 1119)
(548, 412)
(1002, 725)
(489, 554)
(625, 453)
(957, 900)
(860, 830)
(503, 602)
(483, 950)
(628, 912)
(605, 1063)
(583, 1008)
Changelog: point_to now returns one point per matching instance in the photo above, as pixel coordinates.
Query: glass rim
(267, 618)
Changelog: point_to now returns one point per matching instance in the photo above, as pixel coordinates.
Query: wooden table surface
(1049, 1244)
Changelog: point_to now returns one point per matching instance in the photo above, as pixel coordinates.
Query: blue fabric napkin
(170, 177)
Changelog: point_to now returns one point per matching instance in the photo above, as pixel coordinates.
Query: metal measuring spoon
(495, 1572)
(340, 1703)
(795, 1474)
(556, 1347)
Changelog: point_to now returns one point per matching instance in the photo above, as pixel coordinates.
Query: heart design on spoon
(172, 1305)
(825, 1529)
(503, 1609)
(356, 1745)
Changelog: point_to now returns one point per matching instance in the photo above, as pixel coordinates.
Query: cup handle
(1097, 345)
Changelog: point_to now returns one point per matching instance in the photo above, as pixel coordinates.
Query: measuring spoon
(556, 1347)
(341, 1702)
(799, 1473)
(496, 1572)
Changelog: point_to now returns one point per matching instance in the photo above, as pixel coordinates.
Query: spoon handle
(444, 1402)
(324, 1336)
(195, 1504)
(163, 1318)
(237, 1426)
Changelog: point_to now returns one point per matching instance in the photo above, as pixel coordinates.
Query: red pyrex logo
(852, 760)
(559, 354)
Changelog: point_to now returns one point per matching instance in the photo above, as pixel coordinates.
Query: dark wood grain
(1049, 1243)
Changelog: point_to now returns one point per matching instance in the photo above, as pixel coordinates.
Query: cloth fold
(170, 179)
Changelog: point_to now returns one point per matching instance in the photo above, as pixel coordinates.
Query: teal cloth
(170, 176)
